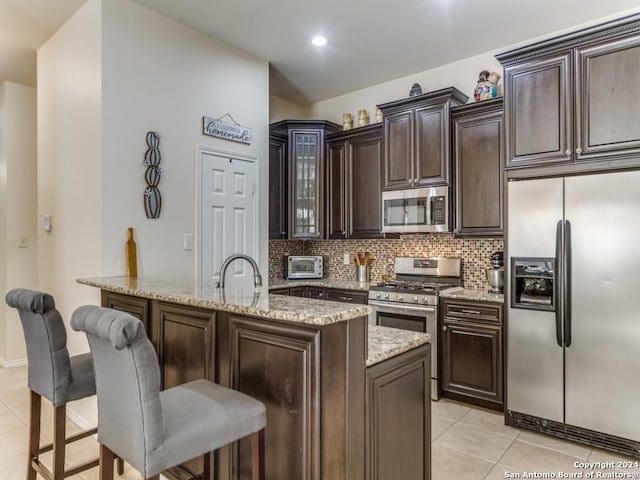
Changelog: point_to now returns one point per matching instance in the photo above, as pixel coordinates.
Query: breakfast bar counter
(333, 388)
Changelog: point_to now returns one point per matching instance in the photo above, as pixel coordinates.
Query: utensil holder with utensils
(363, 267)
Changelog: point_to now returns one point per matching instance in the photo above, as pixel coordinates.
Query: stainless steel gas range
(410, 301)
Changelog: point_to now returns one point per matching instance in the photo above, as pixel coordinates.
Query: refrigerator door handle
(567, 283)
(559, 277)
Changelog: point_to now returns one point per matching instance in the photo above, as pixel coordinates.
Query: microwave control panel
(438, 210)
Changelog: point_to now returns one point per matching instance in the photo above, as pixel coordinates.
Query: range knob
(399, 298)
(378, 295)
(425, 299)
(415, 299)
(386, 295)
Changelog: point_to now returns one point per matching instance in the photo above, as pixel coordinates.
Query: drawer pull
(444, 329)
(471, 312)
(346, 299)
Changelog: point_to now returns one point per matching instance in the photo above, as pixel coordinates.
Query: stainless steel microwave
(303, 266)
(417, 210)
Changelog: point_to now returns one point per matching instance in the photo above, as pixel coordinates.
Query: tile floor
(468, 443)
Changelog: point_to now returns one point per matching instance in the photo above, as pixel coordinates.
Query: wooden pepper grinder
(132, 260)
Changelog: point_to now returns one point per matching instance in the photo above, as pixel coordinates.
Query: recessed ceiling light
(319, 41)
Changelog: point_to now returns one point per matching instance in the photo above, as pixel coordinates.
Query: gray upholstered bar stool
(154, 430)
(54, 375)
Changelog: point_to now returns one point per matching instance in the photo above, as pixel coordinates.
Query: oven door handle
(386, 308)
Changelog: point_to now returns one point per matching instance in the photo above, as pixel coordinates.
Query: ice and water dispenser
(533, 282)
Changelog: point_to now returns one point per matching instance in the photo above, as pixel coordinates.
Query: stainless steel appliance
(573, 308)
(410, 301)
(495, 274)
(303, 266)
(416, 210)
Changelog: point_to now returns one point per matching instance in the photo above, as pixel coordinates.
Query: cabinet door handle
(444, 329)
(320, 295)
(578, 150)
(284, 234)
(471, 312)
(567, 153)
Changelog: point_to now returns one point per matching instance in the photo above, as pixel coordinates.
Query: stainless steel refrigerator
(573, 298)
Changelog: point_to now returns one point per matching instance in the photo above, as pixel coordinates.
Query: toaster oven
(303, 266)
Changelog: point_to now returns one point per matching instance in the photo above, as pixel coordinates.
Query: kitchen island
(343, 401)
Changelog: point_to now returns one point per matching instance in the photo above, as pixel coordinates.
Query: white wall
(462, 75)
(160, 75)
(70, 163)
(282, 109)
(18, 267)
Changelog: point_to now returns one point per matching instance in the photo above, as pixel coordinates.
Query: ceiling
(370, 41)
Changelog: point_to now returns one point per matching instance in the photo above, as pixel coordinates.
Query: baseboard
(79, 420)
(12, 363)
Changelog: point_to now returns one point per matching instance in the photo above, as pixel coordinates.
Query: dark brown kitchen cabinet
(417, 139)
(305, 175)
(398, 410)
(298, 291)
(185, 341)
(478, 155)
(138, 307)
(354, 183)
(277, 186)
(349, 296)
(567, 101)
(471, 352)
(267, 357)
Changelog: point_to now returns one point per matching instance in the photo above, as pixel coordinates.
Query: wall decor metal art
(218, 127)
(152, 157)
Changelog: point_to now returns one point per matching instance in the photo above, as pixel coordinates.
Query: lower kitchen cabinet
(138, 307)
(471, 353)
(323, 293)
(399, 417)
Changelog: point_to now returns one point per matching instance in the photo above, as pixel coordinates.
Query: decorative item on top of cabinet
(347, 122)
(471, 352)
(487, 87)
(417, 140)
(305, 174)
(354, 183)
(567, 101)
(478, 154)
(416, 90)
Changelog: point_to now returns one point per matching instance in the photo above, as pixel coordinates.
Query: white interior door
(227, 217)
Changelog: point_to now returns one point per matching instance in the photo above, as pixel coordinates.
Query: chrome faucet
(257, 278)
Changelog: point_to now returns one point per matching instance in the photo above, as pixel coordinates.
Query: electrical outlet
(346, 259)
(188, 241)
(22, 241)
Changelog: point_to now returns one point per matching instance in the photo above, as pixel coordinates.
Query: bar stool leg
(59, 441)
(34, 433)
(257, 455)
(106, 463)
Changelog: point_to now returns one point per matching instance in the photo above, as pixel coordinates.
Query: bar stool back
(54, 375)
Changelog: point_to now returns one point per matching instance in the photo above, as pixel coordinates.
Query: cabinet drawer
(350, 296)
(279, 291)
(473, 311)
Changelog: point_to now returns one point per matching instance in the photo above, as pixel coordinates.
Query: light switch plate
(346, 259)
(188, 241)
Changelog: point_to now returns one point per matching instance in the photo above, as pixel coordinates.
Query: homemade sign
(218, 127)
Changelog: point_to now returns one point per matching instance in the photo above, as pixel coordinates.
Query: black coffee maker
(495, 274)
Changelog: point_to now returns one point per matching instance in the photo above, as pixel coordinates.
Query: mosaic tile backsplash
(475, 254)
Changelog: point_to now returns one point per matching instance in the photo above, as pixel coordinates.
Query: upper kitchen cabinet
(278, 186)
(305, 179)
(568, 101)
(417, 139)
(478, 155)
(354, 183)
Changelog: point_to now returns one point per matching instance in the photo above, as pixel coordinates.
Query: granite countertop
(320, 282)
(472, 294)
(385, 342)
(256, 302)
